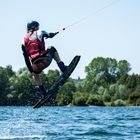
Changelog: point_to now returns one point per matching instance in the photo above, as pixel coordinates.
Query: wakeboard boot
(62, 66)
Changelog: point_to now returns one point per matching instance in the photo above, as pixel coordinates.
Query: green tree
(119, 102)
(101, 71)
(23, 88)
(5, 75)
(65, 94)
(79, 98)
(123, 68)
(4, 84)
(50, 77)
(9, 71)
(106, 96)
(95, 100)
(135, 97)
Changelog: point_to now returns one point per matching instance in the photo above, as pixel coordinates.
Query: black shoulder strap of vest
(26, 58)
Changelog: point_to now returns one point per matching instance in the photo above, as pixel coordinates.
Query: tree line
(108, 82)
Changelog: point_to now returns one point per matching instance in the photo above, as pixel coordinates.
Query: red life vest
(34, 47)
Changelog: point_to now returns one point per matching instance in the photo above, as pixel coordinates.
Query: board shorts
(48, 57)
(41, 63)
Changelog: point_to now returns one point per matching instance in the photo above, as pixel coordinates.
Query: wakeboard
(59, 82)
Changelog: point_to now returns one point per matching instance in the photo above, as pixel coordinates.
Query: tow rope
(89, 15)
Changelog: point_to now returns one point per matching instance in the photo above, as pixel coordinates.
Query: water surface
(70, 123)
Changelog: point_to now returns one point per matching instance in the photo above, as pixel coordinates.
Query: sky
(113, 32)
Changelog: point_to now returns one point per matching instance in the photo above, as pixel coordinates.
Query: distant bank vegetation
(107, 83)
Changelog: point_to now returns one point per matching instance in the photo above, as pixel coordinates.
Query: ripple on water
(69, 123)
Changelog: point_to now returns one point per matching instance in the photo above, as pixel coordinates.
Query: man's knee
(52, 51)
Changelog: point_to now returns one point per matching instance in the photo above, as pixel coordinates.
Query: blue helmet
(32, 25)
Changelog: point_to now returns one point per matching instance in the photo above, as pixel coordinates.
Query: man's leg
(40, 86)
(60, 63)
(56, 57)
(37, 79)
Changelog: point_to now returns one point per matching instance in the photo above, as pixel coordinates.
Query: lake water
(70, 123)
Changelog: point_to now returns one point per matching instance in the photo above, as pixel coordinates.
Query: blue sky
(114, 32)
